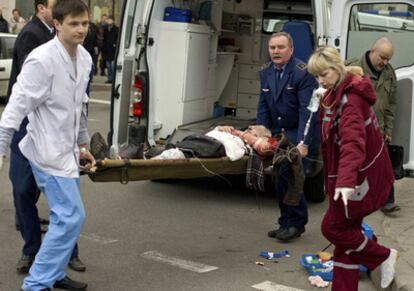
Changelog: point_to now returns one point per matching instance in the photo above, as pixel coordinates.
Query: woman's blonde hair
(328, 58)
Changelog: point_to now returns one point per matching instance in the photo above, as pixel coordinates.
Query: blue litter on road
(272, 255)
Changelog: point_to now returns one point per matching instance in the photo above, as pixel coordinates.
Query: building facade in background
(97, 8)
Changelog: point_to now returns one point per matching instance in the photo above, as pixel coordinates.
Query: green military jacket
(385, 87)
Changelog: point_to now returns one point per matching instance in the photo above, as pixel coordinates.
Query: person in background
(286, 88)
(376, 65)
(357, 169)
(25, 191)
(4, 25)
(100, 39)
(16, 22)
(91, 44)
(110, 38)
(50, 90)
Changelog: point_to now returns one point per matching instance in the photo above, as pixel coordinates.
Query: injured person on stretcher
(223, 141)
(257, 136)
(234, 144)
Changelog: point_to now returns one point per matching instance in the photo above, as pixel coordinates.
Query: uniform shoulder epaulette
(301, 66)
(265, 66)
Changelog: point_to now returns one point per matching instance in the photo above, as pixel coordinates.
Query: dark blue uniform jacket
(282, 106)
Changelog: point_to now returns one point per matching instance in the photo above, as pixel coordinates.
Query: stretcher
(125, 171)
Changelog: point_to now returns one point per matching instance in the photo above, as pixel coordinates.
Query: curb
(404, 274)
(404, 277)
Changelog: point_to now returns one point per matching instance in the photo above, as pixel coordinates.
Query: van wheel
(314, 188)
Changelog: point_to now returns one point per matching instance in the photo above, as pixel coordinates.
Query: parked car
(6, 55)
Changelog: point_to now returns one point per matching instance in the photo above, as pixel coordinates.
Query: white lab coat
(51, 95)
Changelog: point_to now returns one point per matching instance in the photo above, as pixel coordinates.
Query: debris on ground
(274, 255)
(318, 281)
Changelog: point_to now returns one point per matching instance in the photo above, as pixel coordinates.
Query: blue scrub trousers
(25, 196)
(66, 217)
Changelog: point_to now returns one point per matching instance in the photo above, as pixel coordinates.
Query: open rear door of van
(130, 59)
(132, 84)
(357, 25)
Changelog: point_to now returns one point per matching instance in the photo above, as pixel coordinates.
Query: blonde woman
(357, 169)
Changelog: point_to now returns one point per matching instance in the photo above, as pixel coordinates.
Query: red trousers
(352, 247)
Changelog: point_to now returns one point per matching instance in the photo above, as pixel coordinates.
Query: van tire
(314, 188)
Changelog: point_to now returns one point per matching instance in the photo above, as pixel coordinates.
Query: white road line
(98, 239)
(271, 286)
(177, 262)
(99, 101)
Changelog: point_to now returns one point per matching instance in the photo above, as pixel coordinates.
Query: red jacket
(353, 149)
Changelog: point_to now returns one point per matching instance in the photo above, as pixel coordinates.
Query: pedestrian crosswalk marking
(177, 262)
(99, 101)
(271, 286)
(98, 239)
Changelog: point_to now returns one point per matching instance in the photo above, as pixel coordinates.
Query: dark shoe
(24, 264)
(99, 149)
(390, 208)
(77, 265)
(108, 82)
(290, 233)
(69, 284)
(274, 232)
(132, 151)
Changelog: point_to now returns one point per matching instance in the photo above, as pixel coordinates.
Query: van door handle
(2, 69)
(116, 91)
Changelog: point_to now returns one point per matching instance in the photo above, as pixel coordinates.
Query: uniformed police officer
(375, 64)
(286, 89)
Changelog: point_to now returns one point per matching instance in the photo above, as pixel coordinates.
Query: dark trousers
(290, 215)
(391, 196)
(102, 64)
(293, 215)
(26, 194)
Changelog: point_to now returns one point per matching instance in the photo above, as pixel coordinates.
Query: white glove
(316, 99)
(320, 92)
(345, 192)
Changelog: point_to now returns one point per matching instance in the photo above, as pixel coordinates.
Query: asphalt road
(191, 235)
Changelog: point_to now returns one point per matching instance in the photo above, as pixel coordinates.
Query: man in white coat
(50, 90)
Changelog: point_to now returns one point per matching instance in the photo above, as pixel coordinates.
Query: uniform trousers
(66, 217)
(352, 247)
(296, 216)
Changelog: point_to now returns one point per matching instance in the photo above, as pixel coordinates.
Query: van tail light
(137, 103)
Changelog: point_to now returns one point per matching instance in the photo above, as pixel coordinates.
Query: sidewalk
(397, 231)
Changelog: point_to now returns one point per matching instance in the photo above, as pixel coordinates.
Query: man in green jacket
(375, 64)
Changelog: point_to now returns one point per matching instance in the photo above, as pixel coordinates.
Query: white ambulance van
(184, 76)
